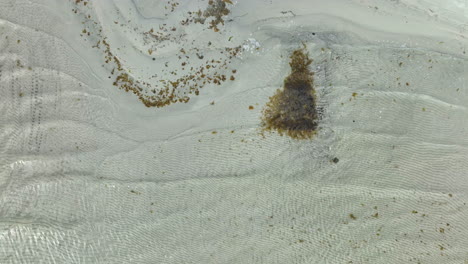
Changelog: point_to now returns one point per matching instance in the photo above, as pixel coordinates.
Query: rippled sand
(152, 131)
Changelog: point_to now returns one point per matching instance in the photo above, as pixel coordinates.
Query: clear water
(133, 132)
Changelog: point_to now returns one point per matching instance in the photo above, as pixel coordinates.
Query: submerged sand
(132, 132)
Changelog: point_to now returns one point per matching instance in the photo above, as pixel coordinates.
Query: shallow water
(179, 168)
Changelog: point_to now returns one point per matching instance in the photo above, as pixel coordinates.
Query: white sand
(90, 175)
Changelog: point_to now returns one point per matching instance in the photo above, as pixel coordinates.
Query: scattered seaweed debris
(180, 81)
(292, 110)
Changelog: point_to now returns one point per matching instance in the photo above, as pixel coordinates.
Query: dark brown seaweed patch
(292, 110)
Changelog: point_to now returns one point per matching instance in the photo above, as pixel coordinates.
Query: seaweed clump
(216, 10)
(292, 110)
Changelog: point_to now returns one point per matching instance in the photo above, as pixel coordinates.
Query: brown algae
(292, 110)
